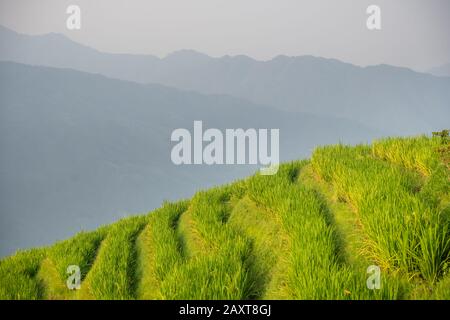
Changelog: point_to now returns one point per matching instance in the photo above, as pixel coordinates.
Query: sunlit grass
(18, 275)
(113, 275)
(159, 249)
(308, 232)
(405, 231)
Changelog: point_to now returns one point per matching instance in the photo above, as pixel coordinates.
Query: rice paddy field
(309, 232)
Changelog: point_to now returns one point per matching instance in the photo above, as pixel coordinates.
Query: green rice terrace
(309, 232)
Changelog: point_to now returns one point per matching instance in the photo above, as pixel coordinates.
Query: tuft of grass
(208, 277)
(417, 153)
(159, 249)
(221, 271)
(18, 276)
(424, 155)
(80, 250)
(404, 230)
(314, 268)
(113, 275)
(269, 247)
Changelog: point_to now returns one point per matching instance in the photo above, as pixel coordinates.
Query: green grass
(220, 269)
(315, 268)
(113, 276)
(417, 153)
(18, 275)
(308, 232)
(269, 245)
(404, 230)
(80, 250)
(159, 249)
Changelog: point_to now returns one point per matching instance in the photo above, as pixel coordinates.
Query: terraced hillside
(308, 232)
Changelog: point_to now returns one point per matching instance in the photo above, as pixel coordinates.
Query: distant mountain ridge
(441, 71)
(392, 99)
(79, 150)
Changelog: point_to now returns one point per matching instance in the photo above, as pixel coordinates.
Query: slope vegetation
(309, 232)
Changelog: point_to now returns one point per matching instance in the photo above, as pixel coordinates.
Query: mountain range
(442, 70)
(387, 98)
(85, 135)
(79, 150)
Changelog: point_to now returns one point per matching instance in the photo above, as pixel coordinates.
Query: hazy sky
(415, 33)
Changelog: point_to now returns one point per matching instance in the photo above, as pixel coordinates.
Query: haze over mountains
(79, 149)
(441, 71)
(391, 99)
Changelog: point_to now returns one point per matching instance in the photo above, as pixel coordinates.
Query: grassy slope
(309, 232)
